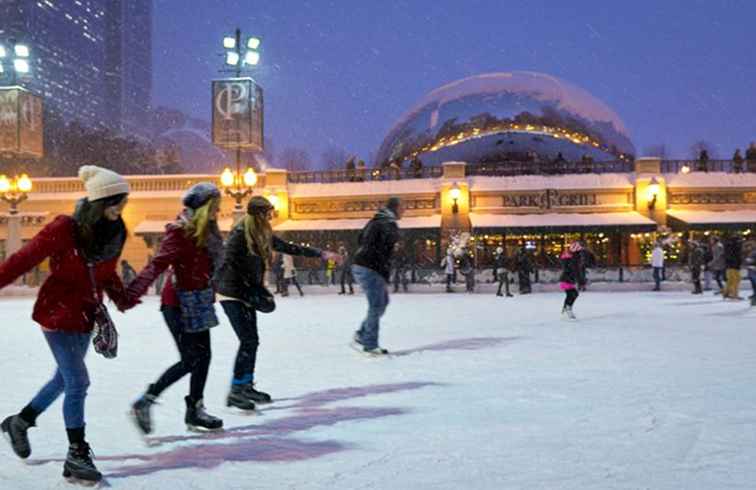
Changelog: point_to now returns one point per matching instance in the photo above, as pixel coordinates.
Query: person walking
(371, 270)
(570, 278)
(696, 261)
(717, 264)
(239, 280)
(290, 275)
(500, 271)
(346, 270)
(733, 251)
(193, 249)
(83, 252)
(448, 263)
(657, 262)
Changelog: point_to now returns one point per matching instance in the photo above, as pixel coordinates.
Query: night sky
(341, 73)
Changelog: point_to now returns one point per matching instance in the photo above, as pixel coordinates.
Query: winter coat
(399, 262)
(524, 264)
(500, 264)
(751, 264)
(466, 264)
(733, 251)
(657, 257)
(717, 262)
(448, 264)
(65, 301)
(192, 266)
(376, 243)
(572, 272)
(242, 270)
(696, 258)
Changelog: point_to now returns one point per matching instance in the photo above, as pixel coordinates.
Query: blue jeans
(657, 277)
(376, 290)
(70, 377)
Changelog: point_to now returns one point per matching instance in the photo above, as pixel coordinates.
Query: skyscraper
(91, 58)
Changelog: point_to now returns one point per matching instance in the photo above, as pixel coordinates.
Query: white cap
(101, 182)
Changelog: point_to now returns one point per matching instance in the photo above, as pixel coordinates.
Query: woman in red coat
(192, 247)
(94, 236)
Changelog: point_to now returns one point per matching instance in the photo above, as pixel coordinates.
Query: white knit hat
(101, 182)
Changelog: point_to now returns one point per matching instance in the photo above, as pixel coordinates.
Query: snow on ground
(645, 391)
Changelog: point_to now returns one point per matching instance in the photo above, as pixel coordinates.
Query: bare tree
(294, 159)
(333, 158)
(701, 145)
(658, 150)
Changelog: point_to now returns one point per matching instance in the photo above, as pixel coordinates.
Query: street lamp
(652, 192)
(14, 191)
(238, 186)
(455, 192)
(15, 61)
(238, 54)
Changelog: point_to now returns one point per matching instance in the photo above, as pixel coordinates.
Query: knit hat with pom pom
(102, 183)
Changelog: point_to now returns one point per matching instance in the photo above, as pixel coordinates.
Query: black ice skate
(198, 420)
(140, 413)
(79, 467)
(257, 396)
(14, 429)
(238, 398)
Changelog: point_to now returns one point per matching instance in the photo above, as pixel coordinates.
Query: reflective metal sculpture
(518, 116)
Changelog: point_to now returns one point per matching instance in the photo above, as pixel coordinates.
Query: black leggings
(572, 295)
(244, 321)
(195, 356)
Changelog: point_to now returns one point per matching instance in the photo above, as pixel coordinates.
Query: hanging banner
(21, 123)
(238, 114)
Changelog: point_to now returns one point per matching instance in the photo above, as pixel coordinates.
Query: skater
(346, 270)
(524, 268)
(193, 248)
(751, 264)
(277, 269)
(696, 261)
(448, 263)
(371, 269)
(399, 268)
(570, 277)
(239, 281)
(290, 275)
(500, 271)
(733, 249)
(93, 237)
(467, 268)
(657, 262)
(717, 263)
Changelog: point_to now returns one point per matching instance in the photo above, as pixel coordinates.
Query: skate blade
(241, 411)
(132, 418)
(202, 430)
(370, 355)
(86, 483)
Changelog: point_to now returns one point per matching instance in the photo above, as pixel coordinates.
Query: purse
(261, 299)
(197, 309)
(105, 340)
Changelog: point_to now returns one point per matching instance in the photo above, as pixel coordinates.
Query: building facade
(91, 59)
(618, 215)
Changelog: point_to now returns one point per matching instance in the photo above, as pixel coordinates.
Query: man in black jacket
(372, 265)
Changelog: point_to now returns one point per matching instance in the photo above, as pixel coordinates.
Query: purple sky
(342, 72)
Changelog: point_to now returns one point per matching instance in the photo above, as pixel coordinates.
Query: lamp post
(14, 192)
(14, 61)
(238, 185)
(454, 193)
(652, 192)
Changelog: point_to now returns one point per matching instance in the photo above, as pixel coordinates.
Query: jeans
(376, 290)
(71, 377)
(657, 277)
(195, 356)
(244, 321)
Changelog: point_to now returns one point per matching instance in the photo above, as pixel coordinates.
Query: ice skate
(14, 429)
(140, 413)
(198, 420)
(238, 398)
(259, 397)
(79, 467)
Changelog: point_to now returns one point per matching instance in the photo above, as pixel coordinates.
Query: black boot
(79, 464)
(140, 413)
(198, 419)
(14, 427)
(258, 396)
(238, 398)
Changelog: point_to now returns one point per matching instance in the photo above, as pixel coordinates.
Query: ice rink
(644, 391)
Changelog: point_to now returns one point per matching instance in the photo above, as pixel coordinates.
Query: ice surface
(644, 391)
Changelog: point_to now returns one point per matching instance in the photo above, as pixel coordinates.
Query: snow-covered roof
(703, 217)
(711, 179)
(540, 182)
(409, 222)
(561, 220)
(372, 188)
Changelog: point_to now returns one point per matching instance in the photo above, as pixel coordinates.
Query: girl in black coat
(247, 253)
(572, 273)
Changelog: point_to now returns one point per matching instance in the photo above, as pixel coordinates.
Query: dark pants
(524, 280)
(657, 278)
(449, 278)
(572, 295)
(292, 280)
(503, 281)
(695, 275)
(347, 278)
(194, 349)
(718, 276)
(244, 321)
